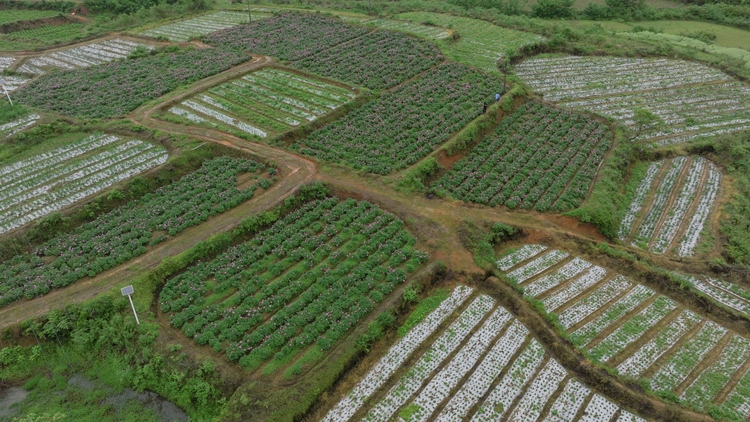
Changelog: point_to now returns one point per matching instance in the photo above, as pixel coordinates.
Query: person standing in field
(497, 97)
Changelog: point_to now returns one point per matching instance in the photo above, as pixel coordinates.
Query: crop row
(539, 157)
(48, 182)
(378, 60)
(617, 87)
(674, 218)
(119, 87)
(404, 125)
(18, 15)
(11, 128)
(288, 36)
(267, 101)
(306, 280)
(82, 56)
(637, 331)
(483, 360)
(418, 29)
(127, 231)
(202, 25)
(481, 43)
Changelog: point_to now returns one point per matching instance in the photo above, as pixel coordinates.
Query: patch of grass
(424, 307)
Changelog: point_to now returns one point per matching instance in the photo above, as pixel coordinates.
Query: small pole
(128, 291)
(249, 15)
(2, 84)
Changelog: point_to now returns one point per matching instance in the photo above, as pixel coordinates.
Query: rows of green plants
(306, 280)
(404, 125)
(540, 157)
(127, 231)
(378, 60)
(119, 87)
(288, 36)
(18, 15)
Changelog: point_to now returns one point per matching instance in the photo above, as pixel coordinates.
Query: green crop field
(19, 15)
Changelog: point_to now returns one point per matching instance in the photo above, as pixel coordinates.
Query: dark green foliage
(551, 9)
(415, 178)
(375, 330)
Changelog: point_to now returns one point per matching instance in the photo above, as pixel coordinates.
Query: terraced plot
(11, 128)
(81, 56)
(13, 82)
(6, 62)
(425, 31)
(202, 25)
(300, 285)
(671, 205)
(263, 103)
(483, 365)
(692, 100)
(539, 157)
(36, 187)
(728, 294)
(641, 333)
(481, 43)
(19, 15)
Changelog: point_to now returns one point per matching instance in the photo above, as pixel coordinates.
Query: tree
(553, 9)
(645, 119)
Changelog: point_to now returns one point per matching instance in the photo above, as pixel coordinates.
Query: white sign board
(127, 290)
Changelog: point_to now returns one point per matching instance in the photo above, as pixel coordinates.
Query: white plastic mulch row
(522, 254)
(86, 55)
(537, 266)
(396, 356)
(663, 192)
(647, 355)
(450, 340)
(574, 288)
(722, 296)
(706, 204)
(679, 209)
(638, 199)
(482, 378)
(566, 272)
(593, 302)
(12, 83)
(202, 25)
(223, 118)
(599, 409)
(544, 385)
(569, 402)
(707, 385)
(11, 128)
(439, 388)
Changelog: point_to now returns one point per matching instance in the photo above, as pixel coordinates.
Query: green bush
(551, 9)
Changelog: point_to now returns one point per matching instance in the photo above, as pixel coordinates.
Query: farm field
(728, 294)
(298, 286)
(200, 26)
(128, 231)
(121, 86)
(637, 331)
(81, 56)
(471, 359)
(14, 126)
(288, 36)
(378, 60)
(19, 15)
(416, 29)
(691, 100)
(42, 36)
(403, 125)
(539, 158)
(671, 205)
(14, 82)
(36, 187)
(482, 44)
(269, 101)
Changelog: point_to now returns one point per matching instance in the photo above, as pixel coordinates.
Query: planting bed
(481, 43)
(671, 205)
(482, 365)
(289, 36)
(404, 125)
(118, 87)
(539, 157)
(728, 294)
(20, 15)
(202, 25)
(691, 99)
(38, 186)
(11, 128)
(264, 102)
(81, 56)
(425, 31)
(378, 60)
(127, 231)
(302, 283)
(641, 333)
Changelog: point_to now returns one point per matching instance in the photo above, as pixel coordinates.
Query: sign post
(2, 84)
(128, 291)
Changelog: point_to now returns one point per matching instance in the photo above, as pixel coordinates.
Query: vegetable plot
(11, 128)
(425, 31)
(264, 102)
(36, 187)
(539, 157)
(481, 43)
(483, 366)
(127, 231)
(82, 56)
(18, 15)
(404, 125)
(305, 281)
(202, 25)
(671, 205)
(617, 87)
(378, 60)
(121, 86)
(288, 36)
(641, 333)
